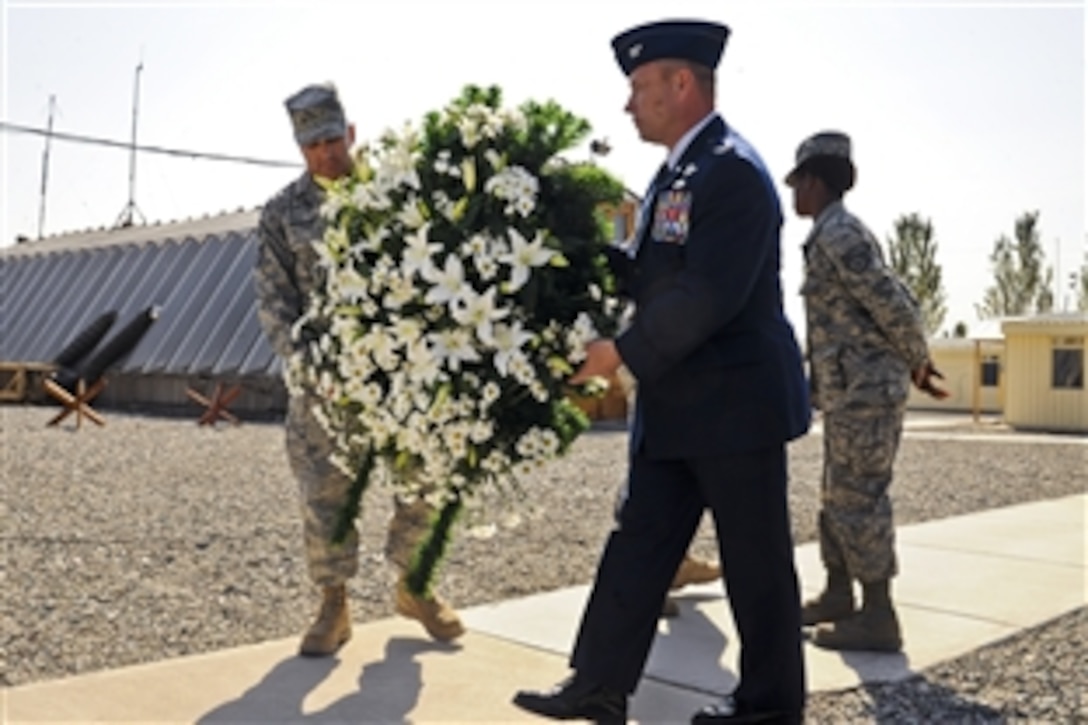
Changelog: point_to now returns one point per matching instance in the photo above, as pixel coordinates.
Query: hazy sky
(968, 113)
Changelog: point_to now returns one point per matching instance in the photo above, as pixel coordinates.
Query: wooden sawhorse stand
(216, 407)
(78, 403)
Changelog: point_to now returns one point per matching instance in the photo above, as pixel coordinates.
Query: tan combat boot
(835, 602)
(875, 628)
(332, 628)
(694, 571)
(436, 616)
(870, 630)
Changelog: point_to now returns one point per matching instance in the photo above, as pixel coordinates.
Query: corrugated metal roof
(197, 272)
(138, 234)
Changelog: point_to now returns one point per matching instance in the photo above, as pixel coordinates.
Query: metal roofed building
(197, 272)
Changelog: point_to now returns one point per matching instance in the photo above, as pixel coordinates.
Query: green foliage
(913, 253)
(345, 522)
(432, 550)
(1081, 279)
(1022, 286)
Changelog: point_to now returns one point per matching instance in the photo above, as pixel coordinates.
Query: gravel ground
(152, 538)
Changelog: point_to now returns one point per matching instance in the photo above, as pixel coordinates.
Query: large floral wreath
(462, 274)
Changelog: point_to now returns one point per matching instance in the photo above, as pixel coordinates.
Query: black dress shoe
(731, 712)
(574, 699)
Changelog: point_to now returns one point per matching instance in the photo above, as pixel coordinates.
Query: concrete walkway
(953, 595)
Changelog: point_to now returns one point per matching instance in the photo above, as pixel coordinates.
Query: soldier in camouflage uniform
(285, 277)
(865, 345)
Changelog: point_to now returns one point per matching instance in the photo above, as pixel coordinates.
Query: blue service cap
(697, 41)
(316, 114)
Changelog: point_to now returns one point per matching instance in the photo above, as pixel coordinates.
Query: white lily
(509, 339)
(449, 282)
(524, 256)
(454, 347)
(423, 365)
(418, 251)
(479, 311)
(411, 215)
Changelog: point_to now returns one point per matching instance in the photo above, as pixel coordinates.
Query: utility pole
(125, 218)
(45, 166)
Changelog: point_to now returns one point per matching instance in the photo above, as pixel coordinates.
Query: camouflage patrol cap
(833, 144)
(316, 114)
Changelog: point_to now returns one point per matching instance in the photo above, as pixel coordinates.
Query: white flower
(423, 365)
(370, 395)
(453, 347)
(418, 251)
(449, 282)
(379, 345)
(348, 284)
(481, 431)
(476, 245)
(470, 132)
(581, 332)
(478, 311)
(370, 196)
(401, 292)
(442, 161)
(524, 256)
(406, 331)
(411, 214)
(509, 340)
(336, 199)
(345, 328)
(446, 206)
(486, 266)
(494, 158)
(330, 249)
(538, 391)
(517, 187)
(374, 239)
(489, 395)
(522, 370)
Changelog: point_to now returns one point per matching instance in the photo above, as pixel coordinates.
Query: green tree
(913, 252)
(1022, 285)
(960, 330)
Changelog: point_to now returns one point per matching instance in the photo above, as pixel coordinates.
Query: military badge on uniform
(672, 217)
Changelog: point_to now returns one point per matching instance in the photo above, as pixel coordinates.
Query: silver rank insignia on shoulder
(724, 147)
(672, 217)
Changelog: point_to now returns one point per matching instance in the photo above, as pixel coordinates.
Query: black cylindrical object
(118, 346)
(85, 341)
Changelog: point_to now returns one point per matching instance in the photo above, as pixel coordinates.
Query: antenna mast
(125, 218)
(45, 166)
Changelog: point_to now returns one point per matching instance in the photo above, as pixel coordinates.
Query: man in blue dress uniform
(721, 391)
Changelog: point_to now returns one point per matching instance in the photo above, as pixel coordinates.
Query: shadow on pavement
(388, 690)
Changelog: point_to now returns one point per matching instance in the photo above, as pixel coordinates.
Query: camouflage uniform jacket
(286, 260)
(864, 328)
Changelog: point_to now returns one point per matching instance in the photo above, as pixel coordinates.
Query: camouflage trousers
(323, 490)
(856, 530)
